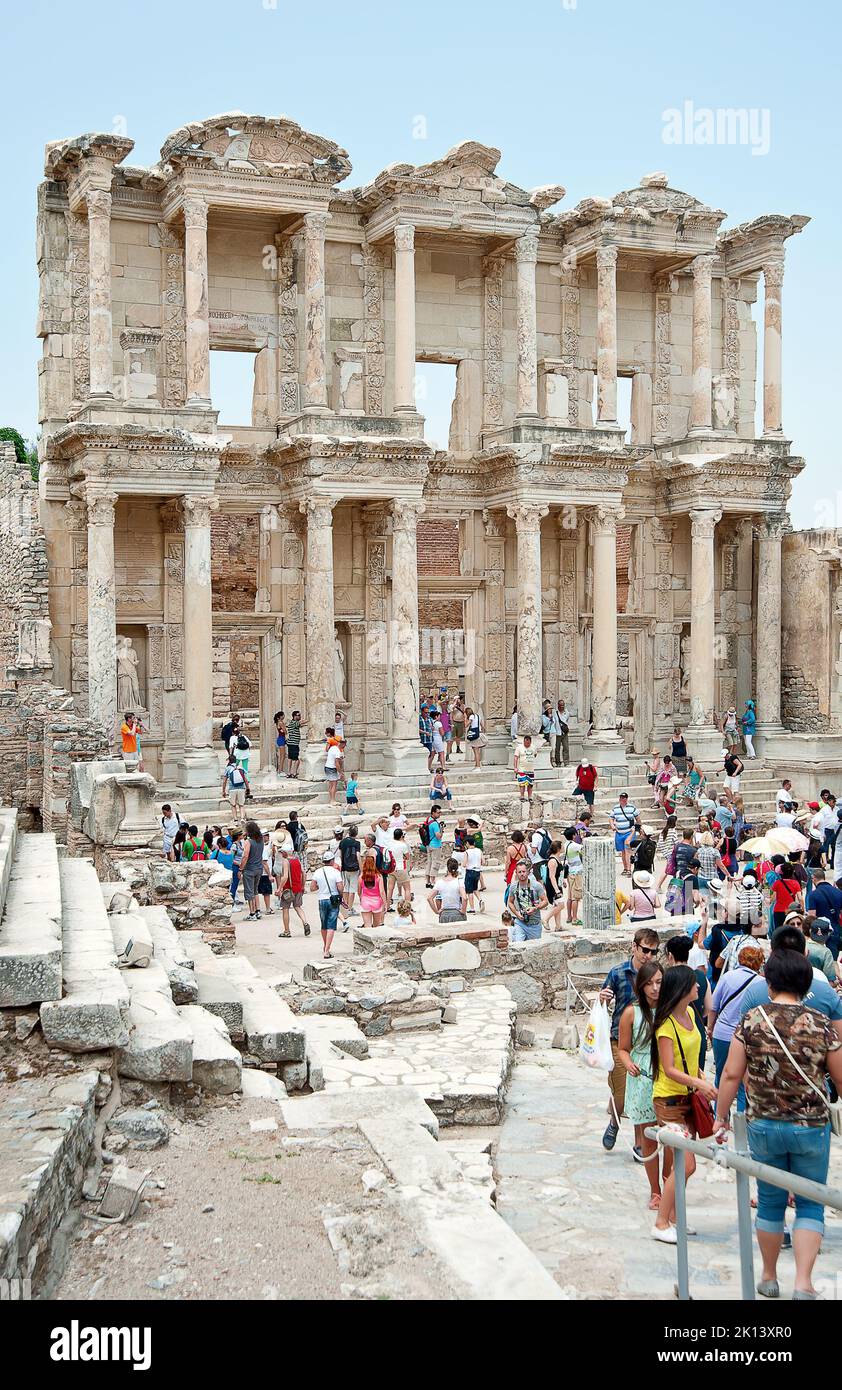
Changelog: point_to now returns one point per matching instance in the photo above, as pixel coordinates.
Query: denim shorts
(795, 1148)
(328, 915)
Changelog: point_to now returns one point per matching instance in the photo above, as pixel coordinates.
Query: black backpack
(242, 743)
(545, 845)
(424, 833)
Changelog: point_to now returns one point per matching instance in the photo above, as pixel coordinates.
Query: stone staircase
(758, 786)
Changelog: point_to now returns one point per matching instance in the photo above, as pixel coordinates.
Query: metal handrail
(745, 1167)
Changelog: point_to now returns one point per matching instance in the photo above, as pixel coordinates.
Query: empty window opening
(435, 389)
(232, 385)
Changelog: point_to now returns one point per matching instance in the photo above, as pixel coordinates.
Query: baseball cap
(813, 806)
(328, 856)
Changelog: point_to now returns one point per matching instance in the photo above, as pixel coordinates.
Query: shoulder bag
(700, 1106)
(834, 1108)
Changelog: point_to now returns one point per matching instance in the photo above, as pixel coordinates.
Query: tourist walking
(251, 868)
(634, 1049)
(333, 764)
(678, 751)
(448, 897)
(675, 1049)
(728, 727)
(293, 743)
(784, 1049)
(291, 890)
(618, 991)
(574, 869)
(526, 902)
(327, 882)
(475, 735)
(349, 866)
(645, 900)
(748, 720)
(550, 872)
(734, 767)
(623, 817)
(431, 835)
(170, 824)
(228, 730)
(560, 755)
(725, 1007)
(586, 780)
(516, 850)
(399, 875)
(372, 895)
(280, 742)
(524, 767)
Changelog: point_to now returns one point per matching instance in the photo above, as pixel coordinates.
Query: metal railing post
(680, 1170)
(744, 1212)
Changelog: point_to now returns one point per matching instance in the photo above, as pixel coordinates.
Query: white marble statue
(128, 690)
(338, 668)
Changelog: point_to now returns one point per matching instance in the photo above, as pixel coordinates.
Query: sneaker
(667, 1236)
(306, 931)
(609, 1138)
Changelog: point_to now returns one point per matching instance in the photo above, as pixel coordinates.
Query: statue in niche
(128, 690)
(685, 668)
(338, 668)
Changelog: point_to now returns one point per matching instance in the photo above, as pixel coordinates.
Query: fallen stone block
(273, 1032)
(217, 1065)
(160, 1042)
(121, 1197)
(132, 938)
(294, 1075)
(566, 1037)
(260, 1085)
(93, 1014)
(30, 929)
(450, 1014)
(525, 1037)
(144, 1129)
(450, 955)
(403, 1022)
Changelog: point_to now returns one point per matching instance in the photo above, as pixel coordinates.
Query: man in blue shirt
(821, 996)
(623, 817)
(618, 987)
(826, 901)
(435, 829)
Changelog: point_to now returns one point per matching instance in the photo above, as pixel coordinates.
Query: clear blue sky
(573, 94)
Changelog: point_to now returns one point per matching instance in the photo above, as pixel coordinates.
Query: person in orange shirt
(130, 731)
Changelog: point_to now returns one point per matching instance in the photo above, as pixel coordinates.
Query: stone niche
(140, 363)
(347, 384)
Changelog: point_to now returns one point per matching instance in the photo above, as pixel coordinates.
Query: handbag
(834, 1108)
(700, 1107)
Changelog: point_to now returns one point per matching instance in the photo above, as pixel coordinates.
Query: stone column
(768, 623)
(604, 646)
(600, 882)
(102, 613)
(404, 751)
(527, 519)
(200, 766)
(700, 406)
(526, 255)
(319, 627)
(315, 360)
(773, 277)
(404, 317)
(99, 292)
(196, 301)
(606, 335)
(702, 617)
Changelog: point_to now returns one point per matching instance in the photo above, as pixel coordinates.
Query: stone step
(30, 931)
(170, 952)
(329, 1037)
(94, 1011)
(272, 1031)
(132, 938)
(160, 1042)
(217, 1065)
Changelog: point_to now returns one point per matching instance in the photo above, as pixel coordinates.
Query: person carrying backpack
(240, 746)
(235, 784)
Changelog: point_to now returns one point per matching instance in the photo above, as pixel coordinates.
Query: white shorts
(237, 796)
(732, 783)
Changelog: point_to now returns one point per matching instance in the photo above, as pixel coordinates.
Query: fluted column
(198, 624)
(606, 335)
(404, 655)
(527, 518)
(604, 647)
(405, 317)
(315, 359)
(768, 622)
(702, 616)
(319, 622)
(196, 301)
(773, 278)
(99, 292)
(526, 256)
(102, 612)
(700, 405)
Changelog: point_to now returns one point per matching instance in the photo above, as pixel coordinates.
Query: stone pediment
(469, 168)
(276, 146)
(652, 201)
(62, 158)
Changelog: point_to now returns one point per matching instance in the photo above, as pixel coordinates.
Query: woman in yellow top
(676, 1044)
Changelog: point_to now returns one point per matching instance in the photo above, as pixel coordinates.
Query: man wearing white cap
(327, 882)
(586, 779)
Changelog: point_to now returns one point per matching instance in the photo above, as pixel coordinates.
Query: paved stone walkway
(583, 1211)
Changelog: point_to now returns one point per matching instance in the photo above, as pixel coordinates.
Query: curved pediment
(273, 145)
(469, 167)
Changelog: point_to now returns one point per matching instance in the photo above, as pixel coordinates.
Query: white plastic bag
(595, 1047)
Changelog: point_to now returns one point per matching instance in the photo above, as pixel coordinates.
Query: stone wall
(235, 540)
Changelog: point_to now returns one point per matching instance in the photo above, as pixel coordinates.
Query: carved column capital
(405, 236)
(315, 223)
(702, 268)
(318, 510)
(604, 519)
(197, 510)
(772, 527)
(527, 516)
(492, 523)
(773, 272)
(98, 202)
(703, 523)
(405, 514)
(196, 213)
(526, 248)
(100, 505)
(606, 258)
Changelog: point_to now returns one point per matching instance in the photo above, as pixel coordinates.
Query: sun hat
(328, 856)
(647, 830)
(749, 880)
(716, 886)
(642, 878)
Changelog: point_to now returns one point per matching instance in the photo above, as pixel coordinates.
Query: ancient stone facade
(244, 238)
